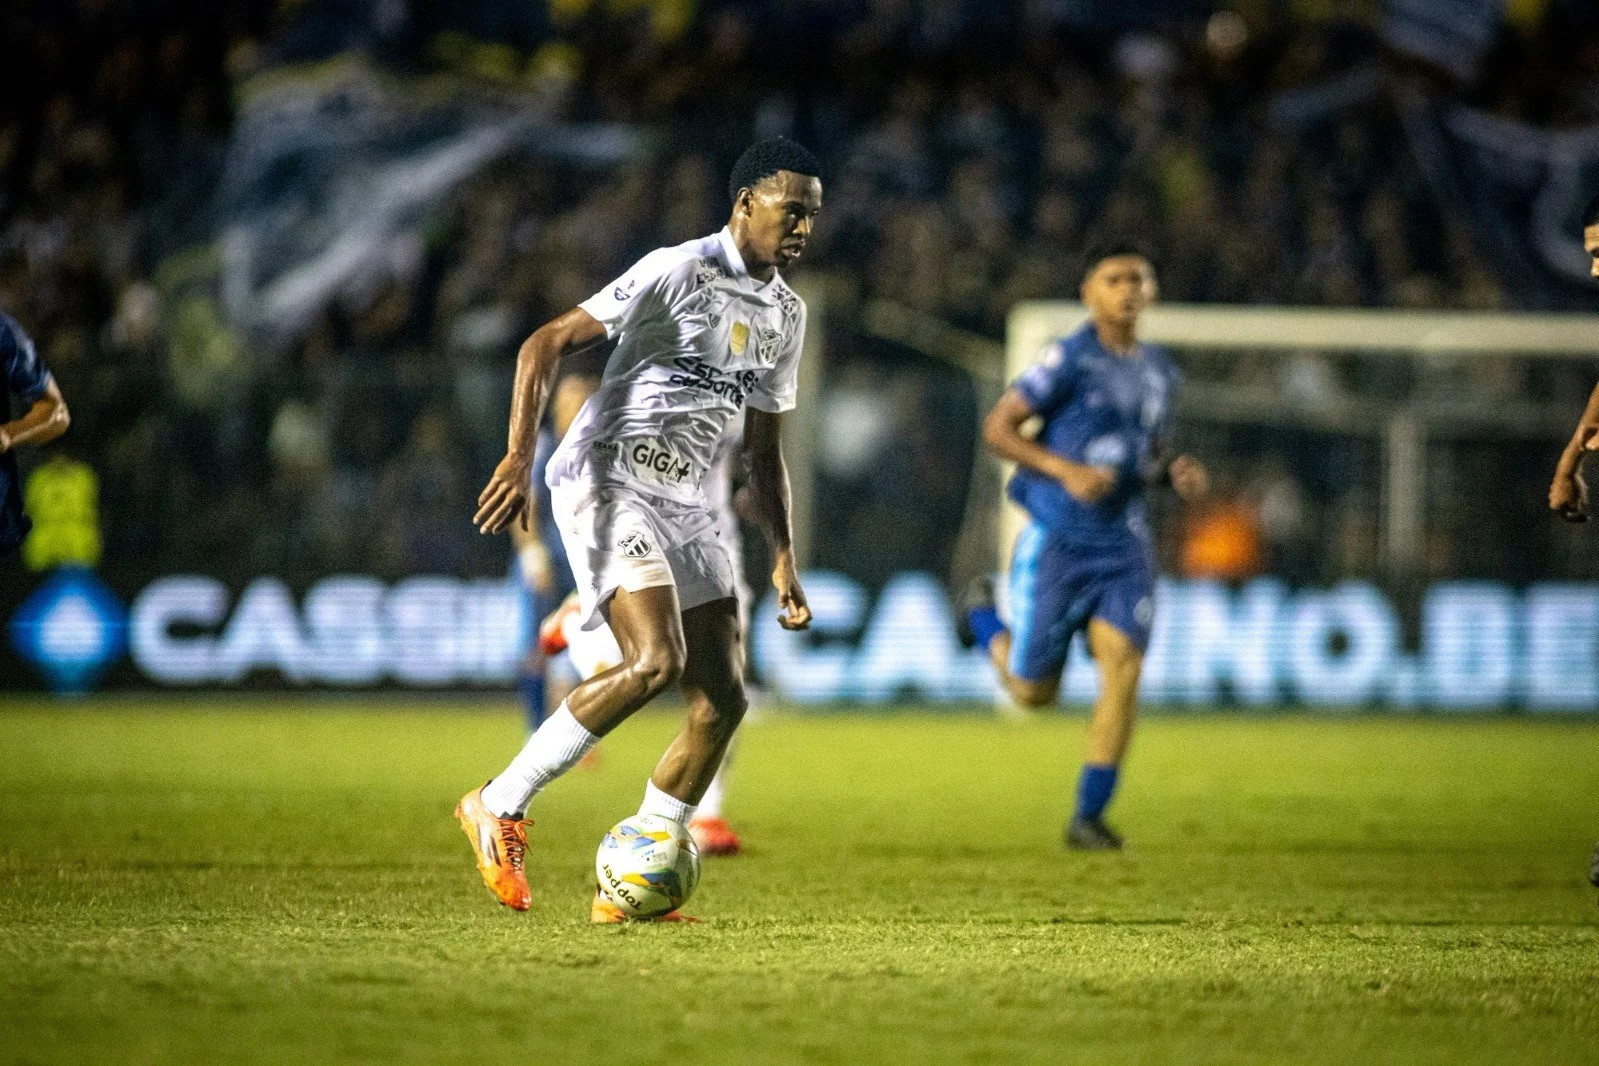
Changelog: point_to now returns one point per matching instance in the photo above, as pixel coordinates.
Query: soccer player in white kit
(705, 330)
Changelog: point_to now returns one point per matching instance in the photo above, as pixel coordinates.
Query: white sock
(711, 803)
(550, 752)
(665, 805)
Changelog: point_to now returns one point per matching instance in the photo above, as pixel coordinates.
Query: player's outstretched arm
(1002, 433)
(769, 500)
(505, 497)
(45, 420)
(1568, 492)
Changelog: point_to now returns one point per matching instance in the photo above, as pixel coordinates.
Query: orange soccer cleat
(713, 836)
(604, 912)
(500, 845)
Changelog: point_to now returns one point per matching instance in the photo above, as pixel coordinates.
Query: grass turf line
(287, 884)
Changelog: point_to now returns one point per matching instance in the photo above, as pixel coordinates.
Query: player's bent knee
(658, 668)
(1032, 694)
(719, 711)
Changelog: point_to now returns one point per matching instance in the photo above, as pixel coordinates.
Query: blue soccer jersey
(1101, 409)
(1076, 561)
(26, 380)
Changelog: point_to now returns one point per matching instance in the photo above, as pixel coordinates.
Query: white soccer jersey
(698, 339)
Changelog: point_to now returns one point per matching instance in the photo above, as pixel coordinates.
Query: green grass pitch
(282, 882)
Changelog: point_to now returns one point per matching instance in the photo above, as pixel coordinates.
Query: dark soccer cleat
(1091, 834)
(1593, 868)
(979, 594)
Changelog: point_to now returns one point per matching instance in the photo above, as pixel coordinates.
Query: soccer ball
(647, 865)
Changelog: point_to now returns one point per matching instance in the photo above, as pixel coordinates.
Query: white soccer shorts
(619, 538)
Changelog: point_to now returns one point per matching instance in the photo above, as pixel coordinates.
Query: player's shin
(551, 751)
(1120, 662)
(686, 769)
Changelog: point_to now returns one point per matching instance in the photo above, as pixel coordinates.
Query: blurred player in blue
(541, 560)
(1568, 493)
(44, 418)
(1085, 559)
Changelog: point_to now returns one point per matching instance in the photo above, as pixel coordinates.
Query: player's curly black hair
(765, 158)
(1112, 248)
(1590, 214)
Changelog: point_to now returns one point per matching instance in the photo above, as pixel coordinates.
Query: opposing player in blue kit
(44, 418)
(1085, 559)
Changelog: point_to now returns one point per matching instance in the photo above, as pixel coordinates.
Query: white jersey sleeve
(778, 389)
(651, 286)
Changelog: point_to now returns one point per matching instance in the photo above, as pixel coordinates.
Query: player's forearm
(1002, 433)
(46, 420)
(768, 488)
(1005, 442)
(535, 375)
(1577, 448)
(1590, 413)
(1571, 458)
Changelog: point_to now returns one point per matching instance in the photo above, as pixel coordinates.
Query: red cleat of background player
(713, 836)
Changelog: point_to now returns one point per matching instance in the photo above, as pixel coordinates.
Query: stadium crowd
(973, 146)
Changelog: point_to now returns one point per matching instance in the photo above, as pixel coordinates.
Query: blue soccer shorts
(1055, 589)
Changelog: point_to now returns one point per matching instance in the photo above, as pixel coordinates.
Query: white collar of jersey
(730, 256)
(735, 261)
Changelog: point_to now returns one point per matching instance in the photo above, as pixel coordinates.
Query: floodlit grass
(279, 881)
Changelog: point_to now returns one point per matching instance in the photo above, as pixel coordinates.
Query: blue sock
(1094, 788)
(531, 687)
(985, 624)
